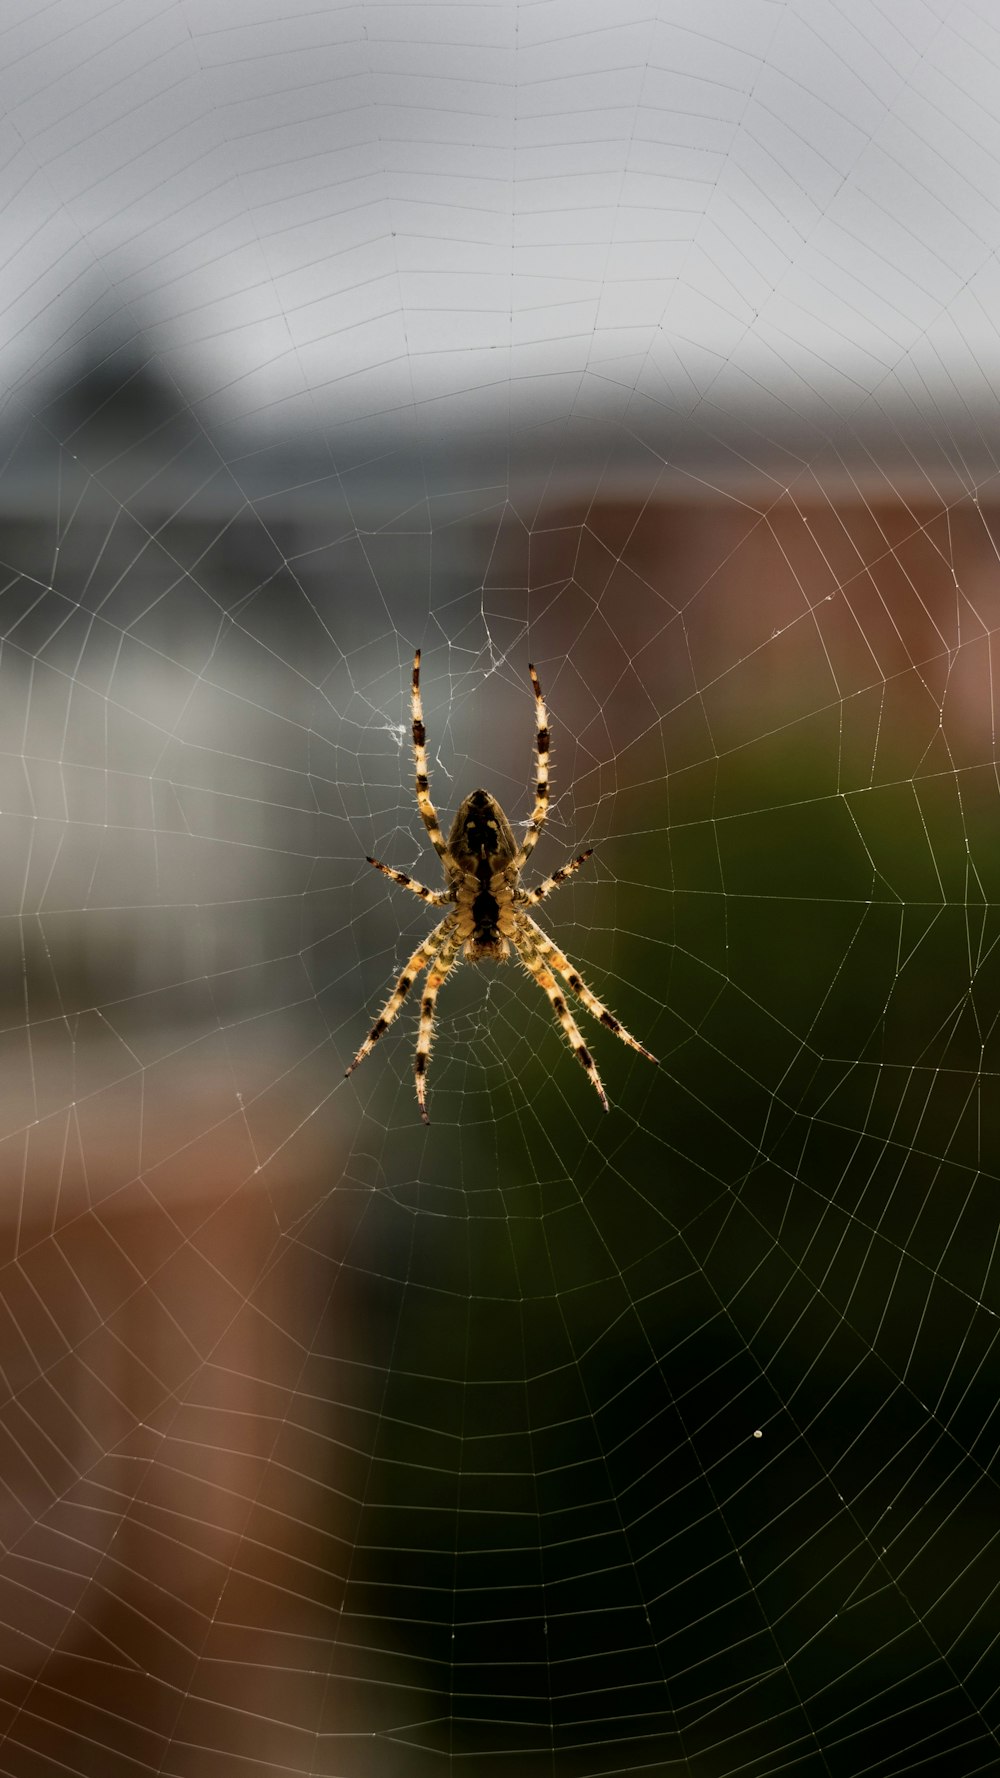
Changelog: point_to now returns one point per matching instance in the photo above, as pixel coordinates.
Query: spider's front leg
(439, 968)
(412, 968)
(531, 956)
(553, 955)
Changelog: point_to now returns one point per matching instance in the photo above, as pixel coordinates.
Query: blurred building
(204, 728)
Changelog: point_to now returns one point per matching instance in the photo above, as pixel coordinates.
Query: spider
(487, 914)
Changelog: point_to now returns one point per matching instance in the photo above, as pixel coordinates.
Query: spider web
(661, 352)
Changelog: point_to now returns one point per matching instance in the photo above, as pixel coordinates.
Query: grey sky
(440, 215)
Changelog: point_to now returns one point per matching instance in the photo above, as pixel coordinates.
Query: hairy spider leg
(438, 898)
(558, 877)
(530, 954)
(439, 968)
(419, 961)
(541, 807)
(428, 813)
(554, 956)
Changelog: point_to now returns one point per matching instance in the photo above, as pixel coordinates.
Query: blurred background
(657, 347)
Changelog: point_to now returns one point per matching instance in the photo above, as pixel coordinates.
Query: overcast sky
(435, 215)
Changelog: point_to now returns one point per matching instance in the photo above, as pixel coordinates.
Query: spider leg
(438, 898)
(530, 954)
(541, 807)
(439, 967)
(411, 969)
(428, 813)
(558, 877)
(554, 956)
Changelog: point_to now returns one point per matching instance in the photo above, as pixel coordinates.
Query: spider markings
(487, 919)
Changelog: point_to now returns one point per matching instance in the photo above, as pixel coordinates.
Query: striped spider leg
(439, 967)
(437, 898)
(554, 957)
(422, 956)
(531, 955)
(541, 808)
(558, 877)
(428, 813)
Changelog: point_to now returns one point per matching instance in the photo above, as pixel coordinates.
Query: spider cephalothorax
(486, 903)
